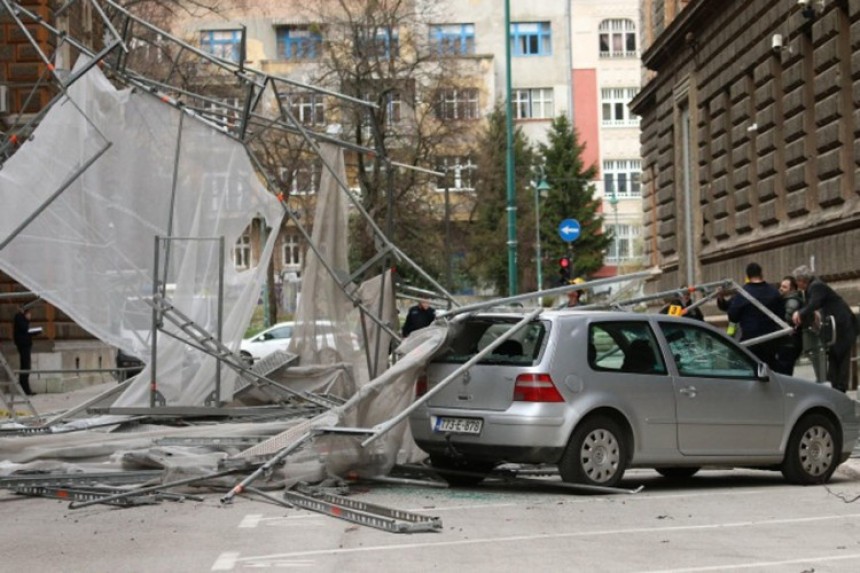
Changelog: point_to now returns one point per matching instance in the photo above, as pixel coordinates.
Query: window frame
(751, 363)
(531, 99)
(612, 29)
(617, 100)
(215, 46)
(459, 104)
(447, 41)
(615, 330)
(526, 42)
(613, 170)
(242, 250)
(302, 48)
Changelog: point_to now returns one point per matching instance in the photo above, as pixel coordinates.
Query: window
(307, 107)
(460, 172)
(623, 246)
(452, 39)
(615, 107)
(391, 109)
(304, 180)
(457, 104)
(223, 115)
(298, 43)
(291, 253)
(223, 44)
(533, 103)
(617, 39)
(624, 347)
(475, 334)
(531, 39)
(702, 353)
(242, 251)
(378, 42)
(621, 178)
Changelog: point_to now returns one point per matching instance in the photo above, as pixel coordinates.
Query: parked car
(599, 392)
(278, 337)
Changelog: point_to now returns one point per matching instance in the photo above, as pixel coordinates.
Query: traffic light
(565, 266)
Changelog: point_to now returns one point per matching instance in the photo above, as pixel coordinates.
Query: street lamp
(613, 201)
(541, 189)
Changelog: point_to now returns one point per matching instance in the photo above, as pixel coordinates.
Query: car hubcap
(816, 451)
(600, 455)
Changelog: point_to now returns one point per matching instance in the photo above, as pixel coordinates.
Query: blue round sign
(569, 230)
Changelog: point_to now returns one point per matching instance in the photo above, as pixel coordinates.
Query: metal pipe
(548, 292)
(509, 170)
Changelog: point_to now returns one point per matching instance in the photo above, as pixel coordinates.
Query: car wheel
(596, 454)
(461, 473)
(677, 473)
(247, 358)
(813, 451)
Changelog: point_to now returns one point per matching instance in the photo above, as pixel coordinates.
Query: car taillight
(421, 384)
(536, 388)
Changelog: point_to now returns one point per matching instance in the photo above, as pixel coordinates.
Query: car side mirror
(763, 372)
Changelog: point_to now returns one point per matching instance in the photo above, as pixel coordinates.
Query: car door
(627, 371)
(723, 409)
(276, 338)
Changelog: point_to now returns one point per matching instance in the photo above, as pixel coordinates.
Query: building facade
(749, 139)
(606, 77)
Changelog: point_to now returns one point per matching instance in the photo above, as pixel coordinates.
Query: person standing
(419, 316)
(791, 345)
(820, 297)
(751, 320)
(24, 343)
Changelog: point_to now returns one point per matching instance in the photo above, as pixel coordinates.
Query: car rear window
(469, 337)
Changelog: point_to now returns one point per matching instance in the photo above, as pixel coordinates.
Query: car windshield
(471, 336)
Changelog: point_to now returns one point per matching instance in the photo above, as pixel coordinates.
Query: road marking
(757, 564)
(251, 521)
(519, 538)
(226, 561)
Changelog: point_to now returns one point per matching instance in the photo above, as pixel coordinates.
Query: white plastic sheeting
(105, 173)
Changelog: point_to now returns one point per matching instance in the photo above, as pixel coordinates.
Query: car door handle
(688, 391)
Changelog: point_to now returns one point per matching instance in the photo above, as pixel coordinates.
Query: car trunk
(489, 385)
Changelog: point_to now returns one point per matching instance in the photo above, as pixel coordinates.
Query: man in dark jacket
(820, 297)
(24, 343)
(791, 345)
(752, 321)
(419, 316)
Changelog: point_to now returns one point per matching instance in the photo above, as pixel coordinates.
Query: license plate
(457, 425)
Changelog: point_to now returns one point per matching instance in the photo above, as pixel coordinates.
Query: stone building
(749, 139)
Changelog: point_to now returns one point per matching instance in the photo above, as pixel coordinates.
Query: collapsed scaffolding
(175, 300)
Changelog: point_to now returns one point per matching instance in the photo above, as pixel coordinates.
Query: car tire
(677, 473)
(247, 358)
(461, 473)
(814, 448)
(596, 454)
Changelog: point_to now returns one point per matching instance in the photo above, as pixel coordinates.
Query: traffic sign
(569, 230)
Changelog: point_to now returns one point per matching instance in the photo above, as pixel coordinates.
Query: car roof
(584, 312)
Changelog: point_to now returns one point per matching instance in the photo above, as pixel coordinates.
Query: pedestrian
(791, 345)
(574, 297)
(752, 321)
(680, 303)
(820, 297)
(419, 316)
(24, 343)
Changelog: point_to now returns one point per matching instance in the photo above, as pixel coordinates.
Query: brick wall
(772, 141)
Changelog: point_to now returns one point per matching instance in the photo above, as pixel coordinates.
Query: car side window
(702, 353)
(282, 332)
(624, 347)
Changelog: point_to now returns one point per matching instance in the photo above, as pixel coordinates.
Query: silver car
(599, 392)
